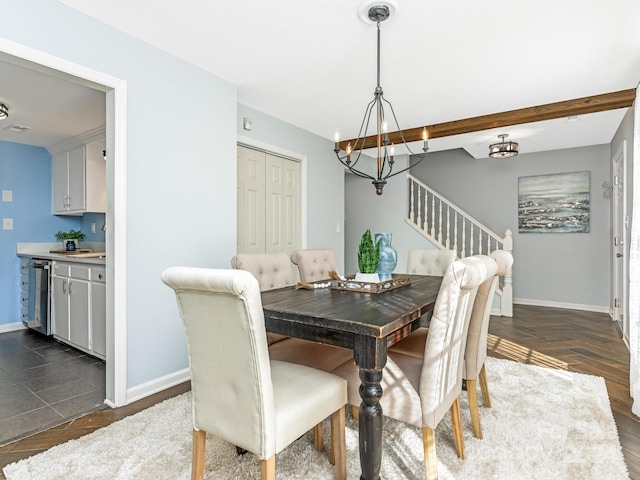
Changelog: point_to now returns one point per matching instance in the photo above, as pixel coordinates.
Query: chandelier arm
(399, 130)
(422, 157)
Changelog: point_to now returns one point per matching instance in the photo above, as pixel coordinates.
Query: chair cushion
(429, 262)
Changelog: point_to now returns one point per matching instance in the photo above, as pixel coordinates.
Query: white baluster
(440, 223)
(448, 228)
(455, 232)
(433, 216)
(419, 219)
(464, 238)
(412, 201)
(471, 250)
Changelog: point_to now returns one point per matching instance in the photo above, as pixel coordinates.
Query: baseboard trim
(157, 385)
(12, 327)
(569, 306)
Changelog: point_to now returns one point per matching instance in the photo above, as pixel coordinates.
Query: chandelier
(351, 154)
(503, 149)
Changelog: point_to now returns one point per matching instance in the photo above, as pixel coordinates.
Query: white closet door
(251, 201)
(268, 204)
(282, 204)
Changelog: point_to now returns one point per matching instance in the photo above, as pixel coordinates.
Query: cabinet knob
(100, 276)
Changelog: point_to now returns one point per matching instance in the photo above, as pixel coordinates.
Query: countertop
(43, 250)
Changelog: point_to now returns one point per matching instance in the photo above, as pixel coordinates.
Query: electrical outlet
(7, 223)
(338, 227)
(7, 195)
(93, 227)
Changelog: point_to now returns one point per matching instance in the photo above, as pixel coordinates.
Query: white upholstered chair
(429, 262)
(239, 394)
(476, 350)
(420, 390)
(314, 264)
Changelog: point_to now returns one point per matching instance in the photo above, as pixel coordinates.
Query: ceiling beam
(550, 111)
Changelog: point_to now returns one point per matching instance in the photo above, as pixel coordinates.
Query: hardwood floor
(577, 341)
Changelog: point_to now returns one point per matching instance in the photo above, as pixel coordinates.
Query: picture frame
(554, 203)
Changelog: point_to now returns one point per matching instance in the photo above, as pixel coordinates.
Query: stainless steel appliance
(36, 300)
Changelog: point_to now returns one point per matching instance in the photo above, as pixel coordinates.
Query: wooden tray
(71, 252)
(351, 285)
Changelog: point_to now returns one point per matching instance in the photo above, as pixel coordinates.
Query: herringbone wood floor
(577, 341)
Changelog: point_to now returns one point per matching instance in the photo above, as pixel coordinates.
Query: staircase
(447, 227)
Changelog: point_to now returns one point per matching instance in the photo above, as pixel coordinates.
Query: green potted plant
(368, 259)
(70, 239)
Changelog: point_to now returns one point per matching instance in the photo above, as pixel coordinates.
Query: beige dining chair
(429, 262)
(314, 264)
(420, 390)
(272, 270)
(239, 394)
(476, 350)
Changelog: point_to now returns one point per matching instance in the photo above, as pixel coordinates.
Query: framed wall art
(555, 203)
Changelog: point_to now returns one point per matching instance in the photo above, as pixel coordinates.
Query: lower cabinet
(78, 306)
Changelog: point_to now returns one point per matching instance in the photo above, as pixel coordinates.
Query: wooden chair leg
(268, 468)
(355, 412)
(338, 444)
(318, 437)
(484, 386)
(430, 460)
(473, 408)
(197, 456)
(456, 424)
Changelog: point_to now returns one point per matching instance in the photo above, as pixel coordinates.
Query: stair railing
(449, 227)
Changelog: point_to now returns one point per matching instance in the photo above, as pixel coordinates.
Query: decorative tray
(71, 252)
(352, 285)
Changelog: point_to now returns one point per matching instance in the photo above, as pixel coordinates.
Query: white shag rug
(544, 424)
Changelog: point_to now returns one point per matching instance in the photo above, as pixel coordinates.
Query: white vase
(367, 277)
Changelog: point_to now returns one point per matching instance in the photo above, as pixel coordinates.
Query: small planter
(367, 277)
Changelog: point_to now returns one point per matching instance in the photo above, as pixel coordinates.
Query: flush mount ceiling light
(503, 149)
(377, 14)
(4, 111)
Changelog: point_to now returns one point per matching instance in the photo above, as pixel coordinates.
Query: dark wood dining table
(367, 323)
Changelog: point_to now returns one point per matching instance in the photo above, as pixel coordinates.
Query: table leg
(370, 424)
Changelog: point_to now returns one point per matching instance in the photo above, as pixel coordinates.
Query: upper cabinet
(79, 181)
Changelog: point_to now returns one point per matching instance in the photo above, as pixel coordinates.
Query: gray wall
(558, 268)
(570, 270)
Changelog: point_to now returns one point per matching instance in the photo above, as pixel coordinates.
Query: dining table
(366, 323)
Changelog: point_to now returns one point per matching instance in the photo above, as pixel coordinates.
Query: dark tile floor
(44, 383)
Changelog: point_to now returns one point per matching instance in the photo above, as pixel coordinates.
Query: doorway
(115, 93)
(619, 251)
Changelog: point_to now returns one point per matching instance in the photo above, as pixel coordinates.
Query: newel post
(507, 288)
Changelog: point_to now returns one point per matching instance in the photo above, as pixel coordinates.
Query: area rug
(544, 424)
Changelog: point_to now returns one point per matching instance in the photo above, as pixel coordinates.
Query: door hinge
(616, 303)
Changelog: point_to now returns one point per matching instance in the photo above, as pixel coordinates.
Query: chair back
(272, 270)
(314, 264)
(430, 262)
(476, 351)
(441, 376)
(232, 390)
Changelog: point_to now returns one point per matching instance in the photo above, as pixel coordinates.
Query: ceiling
(313, 64)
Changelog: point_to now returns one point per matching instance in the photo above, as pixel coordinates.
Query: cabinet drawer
(61, 269)
(98, 274)
(79, 272)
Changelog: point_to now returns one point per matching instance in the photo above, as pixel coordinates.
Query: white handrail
(457, 231)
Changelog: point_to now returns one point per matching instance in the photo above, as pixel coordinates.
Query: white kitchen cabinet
(79, 180)
(75, 304)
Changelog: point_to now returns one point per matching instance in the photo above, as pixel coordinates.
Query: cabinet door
(77, 197)
(98, 319)
(79, 312)
(60, 307)
(60, 183)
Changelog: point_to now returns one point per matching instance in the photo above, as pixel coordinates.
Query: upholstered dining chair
(314, 264)
(429, 262)
(239, 394)
(272, 270)
(420, 390)
(476, 350)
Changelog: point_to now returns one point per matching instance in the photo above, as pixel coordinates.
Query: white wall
(180, 175)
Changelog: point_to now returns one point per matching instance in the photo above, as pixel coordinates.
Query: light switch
(7, 195)
(7, 223)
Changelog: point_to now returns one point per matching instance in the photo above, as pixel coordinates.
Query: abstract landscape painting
(557, 203)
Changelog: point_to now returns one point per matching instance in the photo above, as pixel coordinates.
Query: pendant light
(503, 149)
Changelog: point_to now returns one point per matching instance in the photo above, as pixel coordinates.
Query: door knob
(618, 255)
